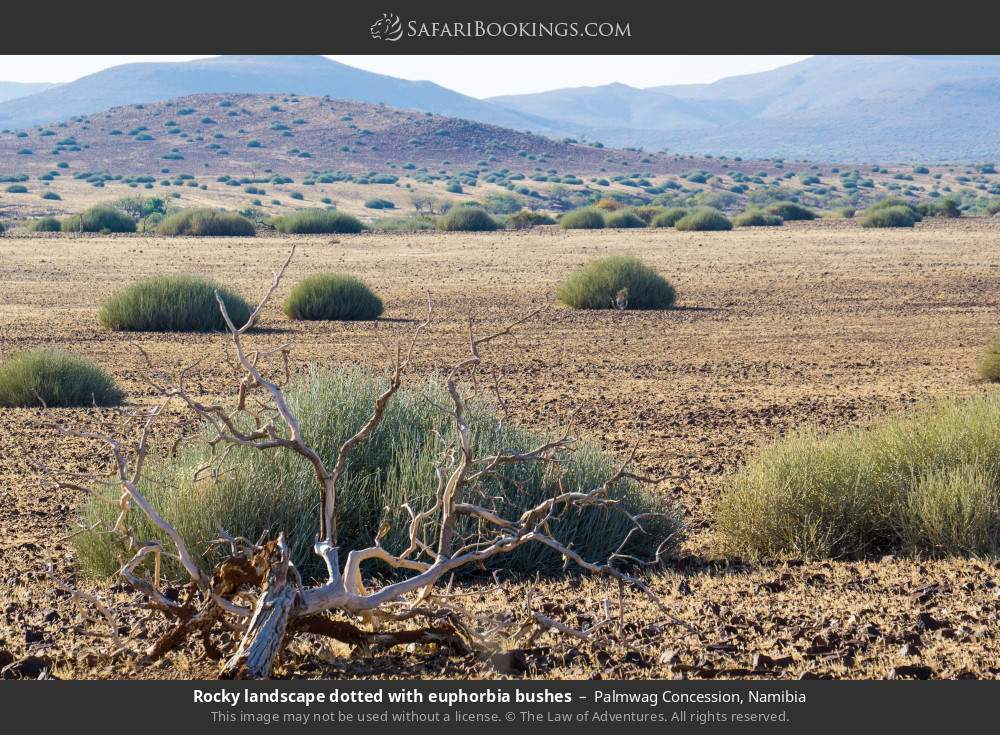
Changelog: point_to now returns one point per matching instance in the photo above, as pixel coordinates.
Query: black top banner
(512, 27)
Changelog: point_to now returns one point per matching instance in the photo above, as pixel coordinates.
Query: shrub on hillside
(947, 207)
(617, 281)
(177, 303)
(205, 222)
(526, 219)
(332, 296)
(888, 217)
(704, 220)
(988, 361)
(922, 482)
(896, 202)
(647, 212)
(56, 379)
(44, 224)
(378, 203)
(669, 217)
(99, 218)
(467, 219)
(409, 223)
(790, 211)
(317, 222)
(258, 491)
(624, 219)
(585, 218)
(757, 218)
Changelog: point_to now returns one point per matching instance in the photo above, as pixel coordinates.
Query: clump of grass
(896, 485)
(317, 222)
(332, 296)
(790, 211)
(176, 303)
(614, 281)
(888, 217)
(468, 219)
(99, 218)
(205, 222)
(704, 220)
(669, 218)
(44, 224)
(988, 361)
(624, 219)
(57, 379)
(758, 218)
(268, 491)
(585, 218)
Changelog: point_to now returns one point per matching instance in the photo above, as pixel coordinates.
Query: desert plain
(817, 322)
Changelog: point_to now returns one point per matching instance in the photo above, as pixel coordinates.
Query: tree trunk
(265, 634)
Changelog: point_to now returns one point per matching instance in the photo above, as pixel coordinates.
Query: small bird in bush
(621, 300)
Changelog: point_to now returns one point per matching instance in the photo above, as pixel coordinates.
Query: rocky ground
(819, 322)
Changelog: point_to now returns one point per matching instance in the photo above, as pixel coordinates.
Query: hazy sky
(478, 76)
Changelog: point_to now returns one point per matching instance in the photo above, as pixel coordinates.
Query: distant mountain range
(130, 84)
(13, 90)
(834, 108)
(842, 108)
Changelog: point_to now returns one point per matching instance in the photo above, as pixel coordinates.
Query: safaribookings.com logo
(390, 28)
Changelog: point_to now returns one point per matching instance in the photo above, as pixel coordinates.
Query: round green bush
(703, 220)
(379, 203)
(585, 218)
(258, 492)
(205, 222)
(57, 379)
(669, 218)
(17, 189)
(317, 222)
(624, 219)
(605, 282)
(467, 219)
(888, 217)
(99, 218)
(757, 218)
(44, 224)
(790, 211)
(177, 303)
(988, 361)
(51, 195)
(334, 297)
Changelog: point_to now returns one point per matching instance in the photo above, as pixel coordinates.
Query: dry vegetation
(821, 322)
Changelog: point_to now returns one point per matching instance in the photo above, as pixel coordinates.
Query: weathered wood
(265, 634)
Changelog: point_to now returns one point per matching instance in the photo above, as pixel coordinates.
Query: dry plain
(820, 322)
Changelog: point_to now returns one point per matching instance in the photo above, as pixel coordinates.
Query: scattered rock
(509, 663)
(912, 672)
(669, 657)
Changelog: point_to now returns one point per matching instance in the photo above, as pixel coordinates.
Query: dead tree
(257, 590)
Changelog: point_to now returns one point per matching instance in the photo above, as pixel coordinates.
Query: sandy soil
(822, 322)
